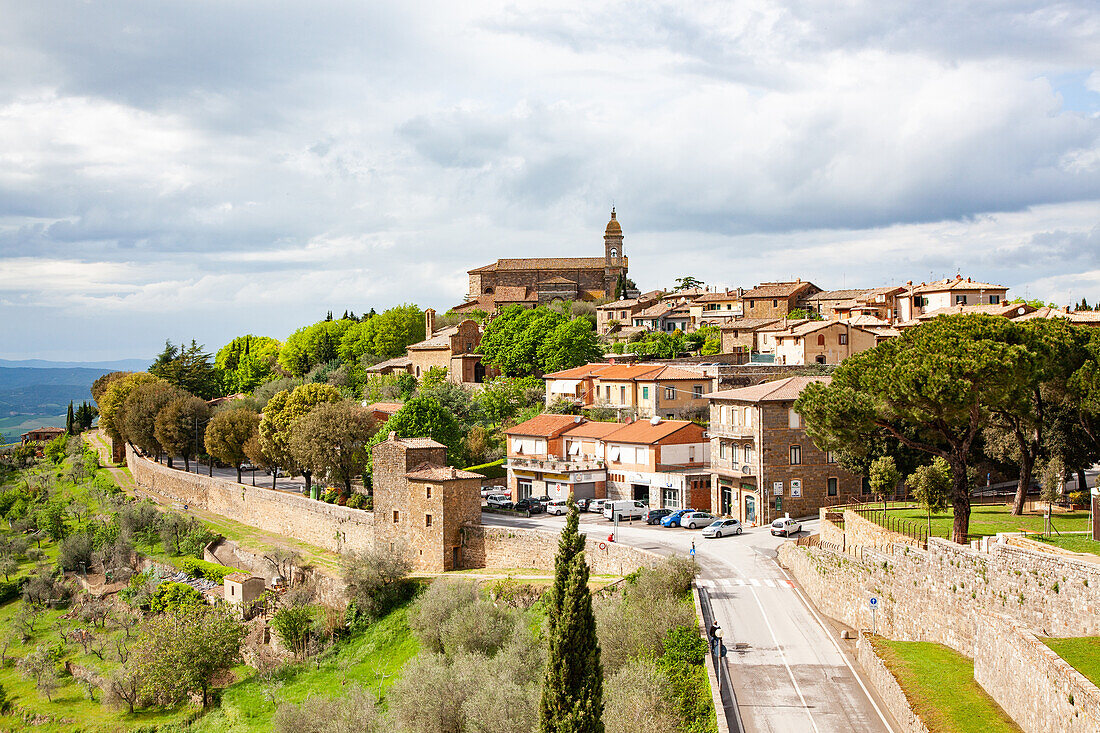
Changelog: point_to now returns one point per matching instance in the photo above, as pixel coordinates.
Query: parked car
(722, 528)
(557, 506)
(673, 520)
(544, 500)
(623, 509)
(786, 527)
(487, 491)
(654, 516)
(499, 501)
(596, 505)
(693, 520)
(582, 504)
(530, 504)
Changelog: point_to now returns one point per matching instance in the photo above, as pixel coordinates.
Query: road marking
(769, 582)
(756, 583)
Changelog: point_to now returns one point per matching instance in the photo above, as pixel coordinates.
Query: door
(727, 500)
(640, 492)
(455, 557)
(584, 491)
(750, 509)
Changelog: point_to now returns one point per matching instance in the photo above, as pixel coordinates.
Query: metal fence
(875, 513)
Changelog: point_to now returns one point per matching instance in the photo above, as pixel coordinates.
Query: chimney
(429, 322)
(393, 435)
(454, 472)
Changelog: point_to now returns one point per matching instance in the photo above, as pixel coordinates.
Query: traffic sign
(873, 602)
(692, 552)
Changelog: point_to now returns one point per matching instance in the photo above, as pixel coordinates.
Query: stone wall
(830, 532)
(860, 532)
(1036, 687)
(887, 687)
(514, 547)
(329, 526)
(939, 593)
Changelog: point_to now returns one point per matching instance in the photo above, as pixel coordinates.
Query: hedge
(202, 569)
(495, 469)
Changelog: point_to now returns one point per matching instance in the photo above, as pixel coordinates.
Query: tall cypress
(572, 695)
(70, 420)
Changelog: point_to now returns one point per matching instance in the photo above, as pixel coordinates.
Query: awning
(564, 386)
(614, 454)
(575, 449)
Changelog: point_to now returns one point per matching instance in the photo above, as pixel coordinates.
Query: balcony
(556, 465)
(723, 430)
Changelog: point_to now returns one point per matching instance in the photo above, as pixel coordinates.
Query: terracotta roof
(955, 283)
(710, 297)
(546, 425)
(435, 472)
(387, 407)
(45, 430)
(619, 304)
(781, 390)
(1085, 318)
(544, 263)
(592, 429)
(577, 372)
(656, 311)
(645, 432)
(238, 577)
(789, 324)
(689, 293)
(1008, 310)
(837, 294)
(645, 373)
(778, 290)
(439, 340)
(400, 361)
(868, 321)
(420, 443)
(748, 324)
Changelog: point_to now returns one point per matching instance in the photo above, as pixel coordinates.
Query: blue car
(673, 520)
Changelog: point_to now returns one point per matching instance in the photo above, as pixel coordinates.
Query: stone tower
(613, 243)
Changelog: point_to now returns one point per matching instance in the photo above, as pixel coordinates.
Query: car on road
(623, 509)
(530, 504)
(786, 527)
(595, 505)
(722, 528)
(544, 500)
(654, 516)
(673, 520)
(694, 520)
(499, 501)
(582, 504)
(487, 491)
(557, 506)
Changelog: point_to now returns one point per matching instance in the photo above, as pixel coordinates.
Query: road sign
(723, 651)
(692, 552)
(873, 602)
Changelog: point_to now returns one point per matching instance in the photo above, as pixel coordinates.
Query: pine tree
(572, 696)
(70, 420)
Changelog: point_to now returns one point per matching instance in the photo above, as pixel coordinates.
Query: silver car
(722, 528)
(692, 520)
(786, 527)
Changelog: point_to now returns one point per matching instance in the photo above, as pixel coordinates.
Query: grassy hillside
(34, 396)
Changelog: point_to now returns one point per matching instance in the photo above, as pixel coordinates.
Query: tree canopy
(138, 417)
(279, 415)
(383, 336)
(227, 434)
(312, 345)
(113, 397)
(189, 368)
(424, 417)
(523, 341)
(331, 439)
(180, 426)
(247, 362)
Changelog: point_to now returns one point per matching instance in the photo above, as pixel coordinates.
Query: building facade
(821, 342)
(778, 299)
(641, 390)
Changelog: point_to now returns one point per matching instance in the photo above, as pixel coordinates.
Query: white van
(624, 509)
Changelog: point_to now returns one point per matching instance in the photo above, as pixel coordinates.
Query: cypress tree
(69, 419)
(572, 696)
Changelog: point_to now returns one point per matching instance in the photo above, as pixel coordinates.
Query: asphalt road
(789, 670)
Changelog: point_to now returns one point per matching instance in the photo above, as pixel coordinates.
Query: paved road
(788, 671)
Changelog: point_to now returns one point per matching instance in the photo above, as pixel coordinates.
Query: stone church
(532, 281)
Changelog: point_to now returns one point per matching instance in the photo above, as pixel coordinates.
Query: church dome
(613, 225)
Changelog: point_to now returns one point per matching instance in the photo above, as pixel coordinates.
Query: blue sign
(874, 603)
(692, 552)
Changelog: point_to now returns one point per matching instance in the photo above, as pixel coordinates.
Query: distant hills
(36, 392)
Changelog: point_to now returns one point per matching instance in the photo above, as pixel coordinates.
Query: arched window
(821, 339)
(488, 291)
(614, 253)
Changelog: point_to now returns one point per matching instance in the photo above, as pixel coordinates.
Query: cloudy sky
(210, 168)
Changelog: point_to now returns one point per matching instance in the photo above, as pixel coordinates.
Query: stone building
(776, 300)
(821, 342)
(41, 435)
(451, 348)
(533, 281)
(762, 462)
(421, 503)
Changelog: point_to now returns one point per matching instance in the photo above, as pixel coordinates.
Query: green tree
(227, 434)
(280, 413)
(331, 439)
(502, 398)
(70, 420)
(312, 345)
(884, 477)
(931, 486)
(169, 597)
(100, 385)
(85, 414)
(512, 339)
(247, 362)
(931, 389)
(688, 283)
(572, 695)
(139, 414)
(570, 344)
(181, 651)
(180, 426)
(189, 368)
(424, 417)
(811, 315)
(113, 397)
(293, 624)
(383, 336)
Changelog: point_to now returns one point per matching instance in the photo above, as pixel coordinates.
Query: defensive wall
(513, 547)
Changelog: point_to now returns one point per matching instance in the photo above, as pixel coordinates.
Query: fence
(910, 528)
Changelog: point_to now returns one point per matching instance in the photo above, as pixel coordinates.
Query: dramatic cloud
(204, 168)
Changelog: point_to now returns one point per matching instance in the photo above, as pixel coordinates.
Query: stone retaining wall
(1036, 687)
(860, 532)
(937, 594)
(887, 687)
(514, 547)
(330, 526)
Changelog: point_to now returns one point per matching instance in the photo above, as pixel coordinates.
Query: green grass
(1072, 542)
(991, 519)
(1083, 654)
(372, 659)
(939, 684)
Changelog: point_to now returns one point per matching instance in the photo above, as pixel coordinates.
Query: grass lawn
(1072, 542)
(991, 519)
(939, 684)
(372, 659)
(1083, 654)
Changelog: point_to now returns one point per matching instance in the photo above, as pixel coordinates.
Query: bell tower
(613, 243)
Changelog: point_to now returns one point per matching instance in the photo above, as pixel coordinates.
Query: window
(830, 457)
(752, 304)
(645, 393)
(697, 392)
(735, 415)
(831, 486)
(429, 492)
(821, 339)
(748, 417)
(748, 454)
(395, 516)
(609, 394)
(691, 454)
(670, 498)
(622, 395)
(796, 455)
(427, 520)
(775, 303)
(723, 450)
(960, 300)
(842, 339)
(670, 393)
(794, 420)
(994, 299)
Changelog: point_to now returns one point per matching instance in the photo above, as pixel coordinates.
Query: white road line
(783, 656)
(755, 582)
(769, 582)
(824, 628)
(740, 581)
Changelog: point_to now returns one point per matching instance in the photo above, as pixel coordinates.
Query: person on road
(712, 634)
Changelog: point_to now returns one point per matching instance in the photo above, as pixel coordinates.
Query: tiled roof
(546, 425)
(656, 311)
(544, 263)
(1078, 317)
(868, 321)
(439, 340)
(781, 390)
(1008, 310)
(435, 472)
(592, 429)
(396, 362)
(618, 304)
(955, 283)
(238, 577)
(646, 373)
(577, 372)
(688, 293)
(787, 325)
(778, 290)
(749, 324)
(710, 297)
(646, 433)
(421, 443)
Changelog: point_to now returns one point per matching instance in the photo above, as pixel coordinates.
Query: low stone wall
(887, 687)
(831, 533)
(330, 588)
(514, 547)
(937, 594)
(860, 532)
(1036, 687)
(328, 526)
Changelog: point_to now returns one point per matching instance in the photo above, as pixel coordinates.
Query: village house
(716, 308)
(541, 280)
(643, 390)
(41, 435)
(843, 305)
(662, 463)
(621, 312)
(452, 348)
(821, 342)
(915, 300)
(741, 335)
(763, 463)
(667, 315)
(778, 299)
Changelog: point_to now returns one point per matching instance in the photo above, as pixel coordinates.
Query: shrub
(682, 662)
(638, 698)
(376, 581)
(75, 551)
(1078, 498)
(435, 607)
(482, 628)
(361, 501)
(173, 597)
(9, 590)
(293, 624)
(354, 710)
(203, 569)
(329, 496)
